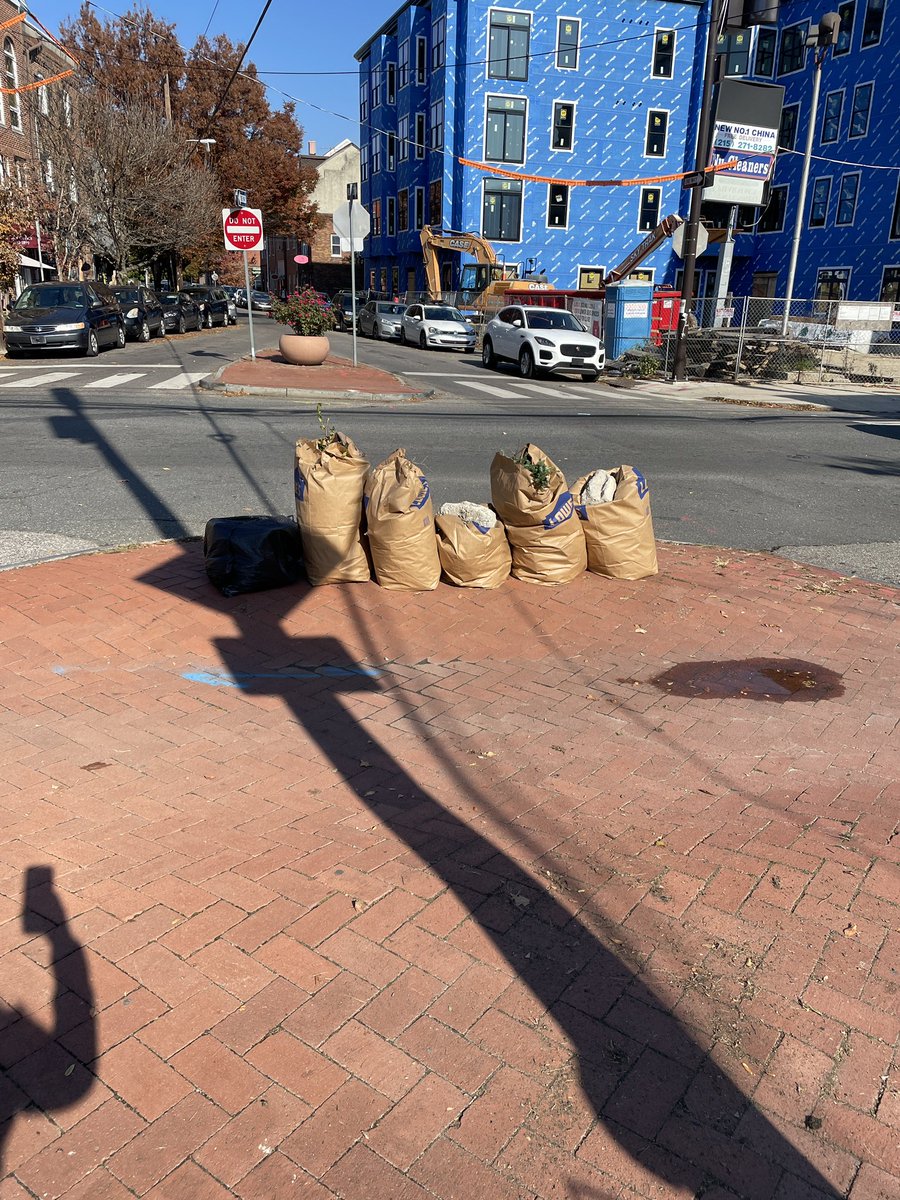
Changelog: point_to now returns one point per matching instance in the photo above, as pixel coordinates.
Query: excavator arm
(651, 242)
(467, 243)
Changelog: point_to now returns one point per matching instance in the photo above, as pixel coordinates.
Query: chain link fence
(758, 338)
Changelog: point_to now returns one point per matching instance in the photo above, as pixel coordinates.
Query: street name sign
(242, 228)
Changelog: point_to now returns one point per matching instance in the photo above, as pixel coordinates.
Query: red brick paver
(336, 374)
(498, 916)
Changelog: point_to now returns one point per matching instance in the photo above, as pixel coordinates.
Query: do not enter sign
(242, 228)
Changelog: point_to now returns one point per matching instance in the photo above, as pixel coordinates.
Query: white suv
(542, 340)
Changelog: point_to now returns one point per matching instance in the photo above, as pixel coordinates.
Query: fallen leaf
(359, 905)
(96, 766)
(639, 629)
(851, 931)
(660, 842)
(747, 1068)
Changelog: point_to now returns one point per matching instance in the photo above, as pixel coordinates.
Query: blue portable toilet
(629, 315)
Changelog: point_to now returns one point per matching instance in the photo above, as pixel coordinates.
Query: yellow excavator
(482, 281)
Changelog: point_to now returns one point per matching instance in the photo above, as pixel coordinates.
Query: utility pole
(821, 37)
(717, 10)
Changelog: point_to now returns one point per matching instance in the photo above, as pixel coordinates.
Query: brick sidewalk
(393, 897)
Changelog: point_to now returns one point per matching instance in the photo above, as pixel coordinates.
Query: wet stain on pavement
(774, 679)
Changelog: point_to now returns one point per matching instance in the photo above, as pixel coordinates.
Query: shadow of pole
(38, 1071)
(653, 1087)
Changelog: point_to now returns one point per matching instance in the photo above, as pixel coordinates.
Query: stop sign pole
(242, 229)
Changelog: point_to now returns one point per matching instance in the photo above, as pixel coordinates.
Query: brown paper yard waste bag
(537, 508)
(472, 545)
(400, 521)
(328, 491)
(619, 533)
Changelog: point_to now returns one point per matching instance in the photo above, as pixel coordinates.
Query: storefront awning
(25, 261)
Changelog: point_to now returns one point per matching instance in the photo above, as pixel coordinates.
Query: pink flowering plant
(307, 313)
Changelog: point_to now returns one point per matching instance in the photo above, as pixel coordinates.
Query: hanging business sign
(745, 133)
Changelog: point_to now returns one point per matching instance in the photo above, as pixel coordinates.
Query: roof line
(392, 20)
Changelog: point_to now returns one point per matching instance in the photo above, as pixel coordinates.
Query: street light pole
(352, 192)
(716, 14)
(821, 37)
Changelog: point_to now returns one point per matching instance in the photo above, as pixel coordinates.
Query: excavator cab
(474, 278)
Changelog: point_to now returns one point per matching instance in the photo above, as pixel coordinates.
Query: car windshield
(51, 297)
(443, 314)
(552, 318)
(260, 295)
(170, 299)
(126, 293)
(395, 309)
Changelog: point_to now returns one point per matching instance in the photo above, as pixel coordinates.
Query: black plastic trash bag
(252, 554)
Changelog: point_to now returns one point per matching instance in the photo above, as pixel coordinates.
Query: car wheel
(589, 376)
(376, 332)
(12, 352)
(402, 336)
(182, 327)
(526, 363)
(92, 349)
(144, 333)
(488, 358)
(120, 336)
(423, 341)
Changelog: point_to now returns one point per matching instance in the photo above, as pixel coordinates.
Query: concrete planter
(303, 351)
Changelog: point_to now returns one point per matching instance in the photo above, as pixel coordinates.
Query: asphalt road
(127, 448)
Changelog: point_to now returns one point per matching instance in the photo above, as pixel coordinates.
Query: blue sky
(304, 37)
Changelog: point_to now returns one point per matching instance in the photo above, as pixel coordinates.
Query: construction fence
(758, 338)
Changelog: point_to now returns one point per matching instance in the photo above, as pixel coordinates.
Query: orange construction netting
(495, 170)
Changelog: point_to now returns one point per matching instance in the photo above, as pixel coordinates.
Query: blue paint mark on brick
(247, 679)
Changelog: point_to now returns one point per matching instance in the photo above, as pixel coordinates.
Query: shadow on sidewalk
(648, 1079)
(38, 1073)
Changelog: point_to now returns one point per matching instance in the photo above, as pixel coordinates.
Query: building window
(831, 117)
(664, 54)
(787, 130)
(872, 24)
(563, 125)
(49, 177)
(845, 32)
(420, 207)
(860, 109)
(590, 278)
(568, 35)
(733, 50)
(335, 245)
(376, 154)
(11, 80)
(557, 206)
(821, 194)
(436, 120)
(403, 64)
(21, 171)
(403, 139)
(395, 282)
(391, 152)
(504, 132)
(890, 285)
(363, 162)
(383, 281)
(376, 88)
(438, 42)
(772, 219)
(420, 135)
(435, 203)
(403, 209)
(832, 283)
(509, 34)
(43, 98)
(421, 60)
(894, 235)
(792, 51)
(391, 216)
(364, 102)
(847, 197)
(501, 214)
(392, 83)
(648, 217)
(657, 128)
(376, 218)
(766, 41)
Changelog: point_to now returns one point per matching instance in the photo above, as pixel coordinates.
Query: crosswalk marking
(503, 393)
(40, 380)
(111, 381)
(185, 379)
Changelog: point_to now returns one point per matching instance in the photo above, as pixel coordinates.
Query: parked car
(57, 316)
(542, 341)
(180, 312)
(430, 326)
(261, 301)
(343, 309)
(231, 294)
(213, 304)
(141, 310)
(380, 319)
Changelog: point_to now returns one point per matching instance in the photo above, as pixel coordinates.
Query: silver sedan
(380, 319)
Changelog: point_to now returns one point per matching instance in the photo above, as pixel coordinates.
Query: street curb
(213, 383)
